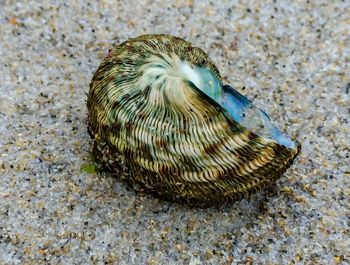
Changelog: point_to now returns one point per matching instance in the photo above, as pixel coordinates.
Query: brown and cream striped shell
(158, 117)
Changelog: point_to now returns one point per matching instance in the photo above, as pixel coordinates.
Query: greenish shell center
(238, 106)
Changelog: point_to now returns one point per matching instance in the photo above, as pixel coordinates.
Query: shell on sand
(156, 116)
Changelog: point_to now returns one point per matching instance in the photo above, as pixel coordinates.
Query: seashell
(161, 118)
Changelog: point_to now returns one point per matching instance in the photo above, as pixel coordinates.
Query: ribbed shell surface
(151, 123)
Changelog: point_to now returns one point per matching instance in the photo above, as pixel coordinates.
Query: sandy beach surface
(292, 58)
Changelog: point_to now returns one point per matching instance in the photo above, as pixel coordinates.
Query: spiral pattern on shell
(153, 125)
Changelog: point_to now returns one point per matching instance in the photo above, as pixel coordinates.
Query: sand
(292, 58)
